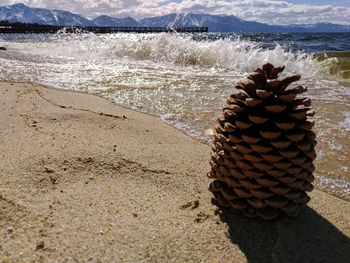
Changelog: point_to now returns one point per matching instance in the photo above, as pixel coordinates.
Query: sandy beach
(84, 180)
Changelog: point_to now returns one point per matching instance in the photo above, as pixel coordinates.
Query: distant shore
(23, 28)
(84, 180)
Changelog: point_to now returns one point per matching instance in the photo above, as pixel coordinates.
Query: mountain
(158, 21)
(320, 27)
(24, 14)
(215, 23)
(110, 21)
(226, 23)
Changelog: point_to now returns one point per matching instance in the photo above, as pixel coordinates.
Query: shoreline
(203, 141)
(321, 181)
(81, 186)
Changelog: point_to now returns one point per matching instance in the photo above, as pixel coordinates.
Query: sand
(83, 180)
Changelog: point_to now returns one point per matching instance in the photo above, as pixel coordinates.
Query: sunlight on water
(186, 81)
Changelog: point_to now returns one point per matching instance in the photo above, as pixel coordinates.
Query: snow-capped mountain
(215, 23)
(111, 21)
(227, 23)
(167, 20)
(24, 14)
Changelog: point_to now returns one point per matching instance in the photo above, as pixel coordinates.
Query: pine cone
(263, 148)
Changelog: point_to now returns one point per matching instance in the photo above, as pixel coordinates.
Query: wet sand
(83, 180)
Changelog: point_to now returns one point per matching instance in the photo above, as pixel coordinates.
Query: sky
(267, 11)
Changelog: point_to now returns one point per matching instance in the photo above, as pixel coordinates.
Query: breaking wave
(226, 53)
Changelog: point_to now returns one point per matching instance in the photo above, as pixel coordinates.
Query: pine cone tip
(269, 71)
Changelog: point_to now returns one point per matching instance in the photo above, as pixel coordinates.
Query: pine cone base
(263, 149)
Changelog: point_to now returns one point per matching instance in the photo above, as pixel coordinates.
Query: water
(185, 79)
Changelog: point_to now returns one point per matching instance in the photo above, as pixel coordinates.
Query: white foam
(232, 53)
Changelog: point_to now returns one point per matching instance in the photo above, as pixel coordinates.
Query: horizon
(321, 12)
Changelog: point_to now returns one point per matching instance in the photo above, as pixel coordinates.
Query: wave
(335, 64)
(229, 53)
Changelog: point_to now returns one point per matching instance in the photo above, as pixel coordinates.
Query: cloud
(268, 11)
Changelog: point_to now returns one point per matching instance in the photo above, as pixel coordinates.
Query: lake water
(186, 79)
